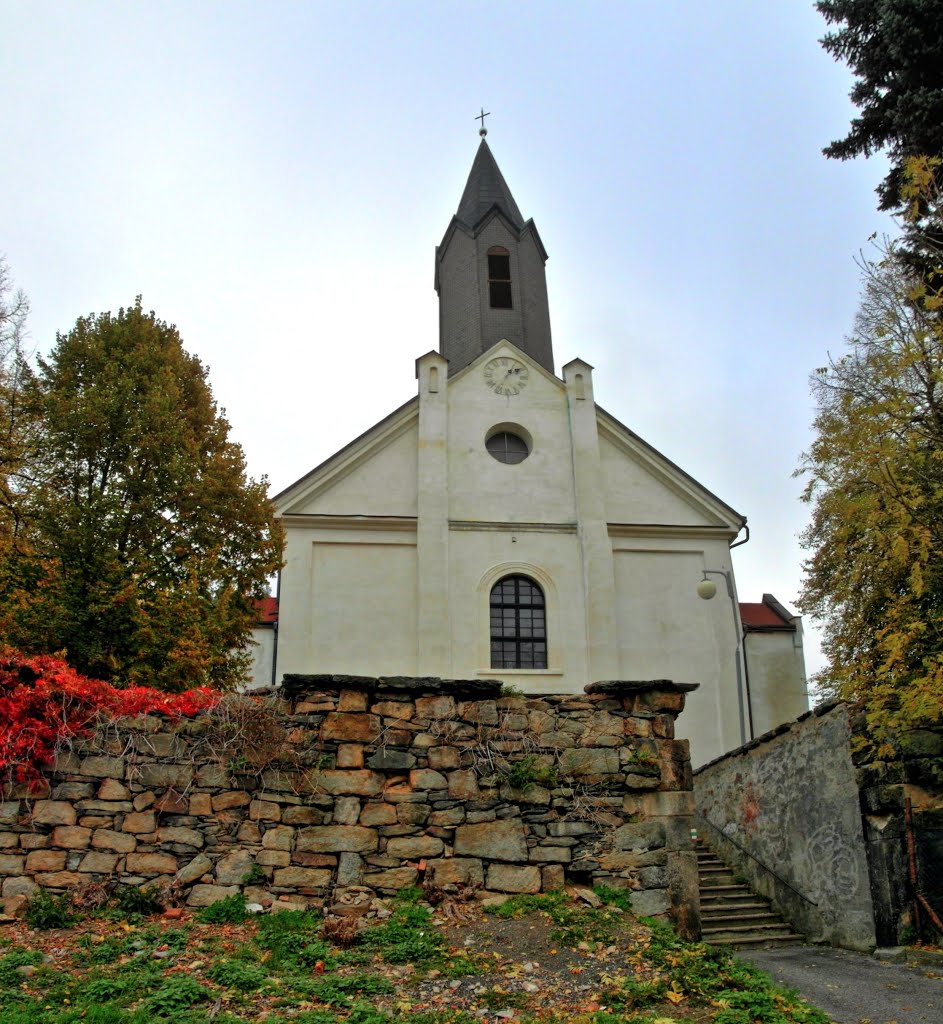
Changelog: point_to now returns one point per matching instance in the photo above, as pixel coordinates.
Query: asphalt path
(855, 988)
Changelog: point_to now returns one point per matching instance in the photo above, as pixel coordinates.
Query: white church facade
(501, 525)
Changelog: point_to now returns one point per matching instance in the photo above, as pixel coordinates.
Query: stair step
(731, 913)
(761, 940)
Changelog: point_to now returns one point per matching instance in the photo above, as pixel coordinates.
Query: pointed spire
(485, 189)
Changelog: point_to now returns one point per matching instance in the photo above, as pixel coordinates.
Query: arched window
(499, 277)
(518, 624)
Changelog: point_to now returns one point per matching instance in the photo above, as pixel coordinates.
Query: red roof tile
(267, 608)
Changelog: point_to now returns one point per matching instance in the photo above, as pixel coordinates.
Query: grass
(279, 968)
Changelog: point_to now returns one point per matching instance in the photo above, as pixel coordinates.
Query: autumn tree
(874, 476)
(147, 542)
(895, 49)
(15, 422)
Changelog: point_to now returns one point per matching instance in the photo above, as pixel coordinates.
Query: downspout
(743, 644)
(278, 604)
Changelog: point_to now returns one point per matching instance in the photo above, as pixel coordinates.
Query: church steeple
(490, 273)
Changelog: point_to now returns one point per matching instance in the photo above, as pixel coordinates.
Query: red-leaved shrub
(44, 703)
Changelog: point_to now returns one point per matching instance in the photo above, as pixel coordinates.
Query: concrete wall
(791, 801)
(778, 686)
(382, 783)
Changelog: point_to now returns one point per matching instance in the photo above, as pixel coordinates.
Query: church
(501, 525)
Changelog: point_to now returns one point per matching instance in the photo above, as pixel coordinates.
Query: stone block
(9, 812)
(658, 805)
(71, 837)
(393, 879)
(450, 816)
(314, 860)
(498, 840)
(412, 814)
(426, 778)
(194, 869)
(393, 709)
(514, 878)
(273, 858)
(142, 801)
(264, 810)
(112, 789)
(644, 835)
(21, 886)
(414, 847)
(205, 895)
(201, 805)
(45, 860)
(550, 855)
(139, 822)
(184, 836)
(578, 763)
(9, 840)
(349, 869)
(107, 839)
(151, 863)
(463, 785)
(337, 839)
(278, 838)
(59, 879)
(234, 867)
(570, 828)
(439, 707)
(455, 871)
(352, 700)
(172, 802)
(98, 863)
(444, 758)
(212, 776)
(233, 798)
(649, 902)
(12, 863)
(386, 759)
(346, 810)
(313, 878)
(249, 832)
(360, 728)
(302, 816)
(75, 791)
(374, 814)
(350, 755)
(166, 776)
(101, 767)
(53, 812)
(353, 783)
(552, 877)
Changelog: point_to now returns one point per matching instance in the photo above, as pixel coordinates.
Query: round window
(507, 447)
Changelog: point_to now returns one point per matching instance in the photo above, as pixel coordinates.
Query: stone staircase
(731, 913)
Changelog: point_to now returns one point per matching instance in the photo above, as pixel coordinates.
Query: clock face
(505, 376)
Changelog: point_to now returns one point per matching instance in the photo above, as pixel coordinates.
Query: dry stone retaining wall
(348, 782)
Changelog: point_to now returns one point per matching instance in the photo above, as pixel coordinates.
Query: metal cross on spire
(482, 131)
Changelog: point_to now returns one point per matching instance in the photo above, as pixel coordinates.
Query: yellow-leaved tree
(874, 479)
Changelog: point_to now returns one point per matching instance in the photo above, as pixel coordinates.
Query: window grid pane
(518, 624)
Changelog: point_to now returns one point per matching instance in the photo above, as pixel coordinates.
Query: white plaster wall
(347, 602)
(633, 495)
(667, 632)
(539, 489)
(262, 649)
(778, 687)
(477, 560)
(382, 484)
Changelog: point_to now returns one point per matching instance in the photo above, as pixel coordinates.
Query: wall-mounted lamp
(706, 589)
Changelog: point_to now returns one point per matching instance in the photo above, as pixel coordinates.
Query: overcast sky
(273, 178)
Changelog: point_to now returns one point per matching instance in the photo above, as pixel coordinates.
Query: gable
(375, 475)
(642, 487)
